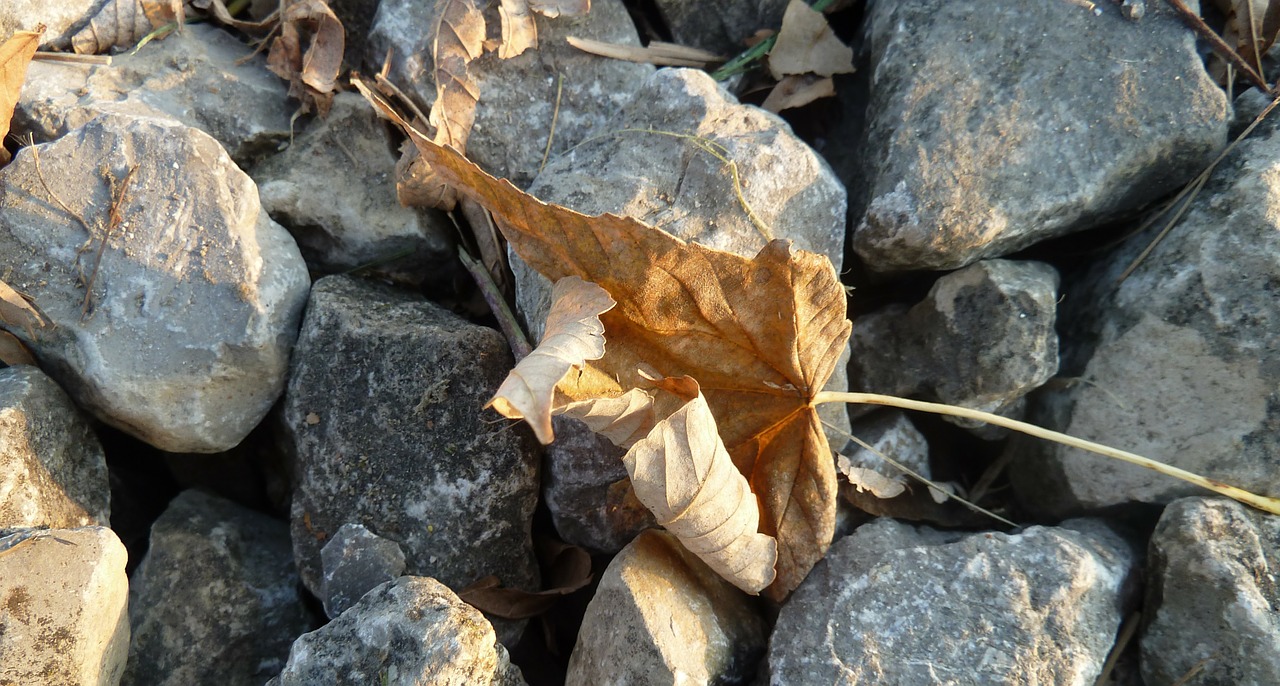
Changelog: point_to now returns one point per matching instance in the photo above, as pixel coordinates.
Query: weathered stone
(354, 561)
(384, 412)
(202, 76)
(1180, 362)
(340, 225)
(895, 604)
(720, 27)
(406, 632)
(61, 19)
(661, 616)
(520, 97)
(63, 607)
(52, 469)
(1212, 595)
(194, 300)
(983, 338)
(216, 599)
(995, 125)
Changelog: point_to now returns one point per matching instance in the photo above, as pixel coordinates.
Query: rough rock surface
(983, 338)
(52, 469)
(192, 77)
(353, 562)
(216, 600)
(894, 604)
(1181, 362)
(61, 19)
(722, 26)
(1212, 595)
(183, 340)
(63, 615)
(519, 97)
(334, 189)
(995, 125)
(384, 412)
(661, 616)
(406, 632)
(673, 183)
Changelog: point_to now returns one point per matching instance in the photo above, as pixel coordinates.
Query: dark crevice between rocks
(650, 24)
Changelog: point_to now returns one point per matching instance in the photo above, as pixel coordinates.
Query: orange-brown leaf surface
(15, 55)
(807, 45)
(308, 51)
(519, 32)
(13, 352)
(761, 336)
(16, 311)
(122, 23)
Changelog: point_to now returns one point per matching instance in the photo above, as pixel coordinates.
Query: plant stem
(1261, 502)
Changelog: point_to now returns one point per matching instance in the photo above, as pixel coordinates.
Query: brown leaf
(122, 23)
(573, 335)
(761, 336)
(308, 51)
(13, 352)
(806, 45)
(568, 569)
(1250, 28)
(15, 55)
(555, 8)
(16, 311)
(519, 32)
(798, 90)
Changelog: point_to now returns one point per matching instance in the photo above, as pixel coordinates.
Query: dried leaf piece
(122, 23)
(806, 45)
(16, 311)
(1251, 27)
(519, 32)
(623, 419)
(798, 90)
(13, 352)
(15, 55)
(683, 474)
(569, 570)
(555, 8)
(761, 335)
(573, 335)
(308, 51)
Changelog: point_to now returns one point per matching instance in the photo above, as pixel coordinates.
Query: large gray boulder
(994, 125)
(193, 294)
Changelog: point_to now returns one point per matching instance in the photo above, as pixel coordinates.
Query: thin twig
(71, 58)
(555, 116)
(1127, 631)
(1219, 46)
(35, 157)
(112, 222)
(1261, 502)
(1191, 189)
(498, 305)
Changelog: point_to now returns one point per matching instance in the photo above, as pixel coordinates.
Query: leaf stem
(1261, 502)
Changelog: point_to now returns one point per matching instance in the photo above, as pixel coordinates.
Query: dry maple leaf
(15, 55)
(761, 336)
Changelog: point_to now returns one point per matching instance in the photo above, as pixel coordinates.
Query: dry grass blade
(634, 53)
(69, 58)
(112, 222)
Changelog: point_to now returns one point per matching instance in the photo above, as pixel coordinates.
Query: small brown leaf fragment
(15, 55)
(683, 474)
(806, 45)
(798, 90)
(122, 23)
(574, 335)
(519, 32)
(308, 51)
(1250, 28)
(556, 8)
(17, 311)
(13, 352)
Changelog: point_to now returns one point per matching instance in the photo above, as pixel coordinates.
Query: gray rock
(518, 96)
(184, 339)
(334, 189)
(61, 19)
(216, 600)
(354, 561)
(661, 616)
(719, 27)
(995, 125)
(1212, 595)
(674, 184)
(588, 492)
(1181, 362)
(65, 616)
(52, 469)
(384, 412)
(406, 632)
(983, 338)
(894, 604)
(194, 77)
